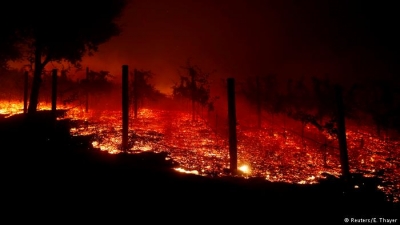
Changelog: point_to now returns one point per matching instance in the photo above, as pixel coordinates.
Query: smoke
(238, 38)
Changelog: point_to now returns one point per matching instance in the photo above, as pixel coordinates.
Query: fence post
(193, 93)
(344, 160)
(54, 92)
(258, 102)
(232, 126)
(26, 92)
(87, 91)
(125, 108)
(135, 93)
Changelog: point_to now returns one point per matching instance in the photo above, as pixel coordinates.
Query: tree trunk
(37, 81)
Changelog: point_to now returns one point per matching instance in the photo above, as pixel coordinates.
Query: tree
(323, 98)
(12, 84)
(142, 88)
(78, 28)
(99, 82)
(8, 47)
(262, 91)
(380, 99)
(194, 86)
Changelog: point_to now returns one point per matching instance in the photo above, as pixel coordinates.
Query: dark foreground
(49, 176)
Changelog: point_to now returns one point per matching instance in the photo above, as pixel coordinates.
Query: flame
(95, 144)
(245, 169)
(276, 154)
(187, 171)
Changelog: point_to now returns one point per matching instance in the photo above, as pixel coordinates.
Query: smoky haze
(237, 38)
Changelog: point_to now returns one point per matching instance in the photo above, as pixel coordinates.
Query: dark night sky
(238, 38)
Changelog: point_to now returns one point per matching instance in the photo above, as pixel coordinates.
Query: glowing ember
(95, 144)
(186, 171)
(10, 108)
(274, 152)
(244, 169)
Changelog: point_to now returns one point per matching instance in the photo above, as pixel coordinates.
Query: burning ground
(274, 154)
(277, 152)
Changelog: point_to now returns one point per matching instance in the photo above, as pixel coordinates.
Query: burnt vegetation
(29, 35)
(312, 101)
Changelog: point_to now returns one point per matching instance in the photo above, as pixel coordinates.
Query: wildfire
(245, 169)
(186, 171)
(275, 153)
(10, 108)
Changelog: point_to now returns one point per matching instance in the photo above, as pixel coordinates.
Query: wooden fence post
(125, 107)
(344, 160)
(232, 126)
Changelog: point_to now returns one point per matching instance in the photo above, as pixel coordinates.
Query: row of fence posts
(53, 91)
(125, 99)
(231, 115)
(232, 122)
(340, 125)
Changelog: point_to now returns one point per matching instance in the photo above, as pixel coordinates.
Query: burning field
(278, 151)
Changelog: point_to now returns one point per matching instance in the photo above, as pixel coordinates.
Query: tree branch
(46, 60)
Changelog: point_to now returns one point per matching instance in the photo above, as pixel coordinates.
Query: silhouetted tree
(300, 108)
(142, 88)
(380, 99)
(194, 85)
(8, 45)
(99, 82)
(11, 84)
(78, 28)
(264, 93)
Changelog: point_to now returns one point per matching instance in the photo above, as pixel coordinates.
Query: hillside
(47, 169)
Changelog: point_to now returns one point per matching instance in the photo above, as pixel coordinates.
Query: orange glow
(245, 169)
(186, 171)
(275, 154)
(10, 108)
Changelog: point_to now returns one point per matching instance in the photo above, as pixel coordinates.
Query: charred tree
(193, 86)
(142, 89)
(44, 45)
(37, 79)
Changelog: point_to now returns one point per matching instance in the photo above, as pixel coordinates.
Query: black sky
(345, 39)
